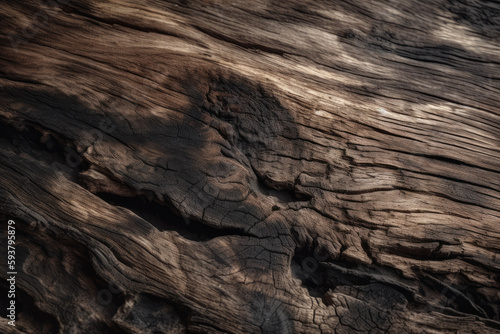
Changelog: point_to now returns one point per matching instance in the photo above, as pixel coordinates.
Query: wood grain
(252, 167)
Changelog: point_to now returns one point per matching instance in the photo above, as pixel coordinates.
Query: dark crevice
(367, 250)
(307, 268)
(166, 218)
(444, 159)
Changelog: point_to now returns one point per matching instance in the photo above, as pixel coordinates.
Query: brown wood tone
(251, 166)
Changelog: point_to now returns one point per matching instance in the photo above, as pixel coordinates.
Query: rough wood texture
(252, 167)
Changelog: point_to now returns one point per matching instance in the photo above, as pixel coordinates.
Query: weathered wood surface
(252, 167)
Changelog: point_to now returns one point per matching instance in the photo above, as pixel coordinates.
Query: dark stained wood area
(256, 166)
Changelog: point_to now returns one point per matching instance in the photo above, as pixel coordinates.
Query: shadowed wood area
(251, 167)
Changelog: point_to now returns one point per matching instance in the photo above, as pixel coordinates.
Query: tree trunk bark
(250, 167)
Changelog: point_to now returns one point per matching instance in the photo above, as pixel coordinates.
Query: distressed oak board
(252, 167)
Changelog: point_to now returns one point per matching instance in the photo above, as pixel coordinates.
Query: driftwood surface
(251, 166)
